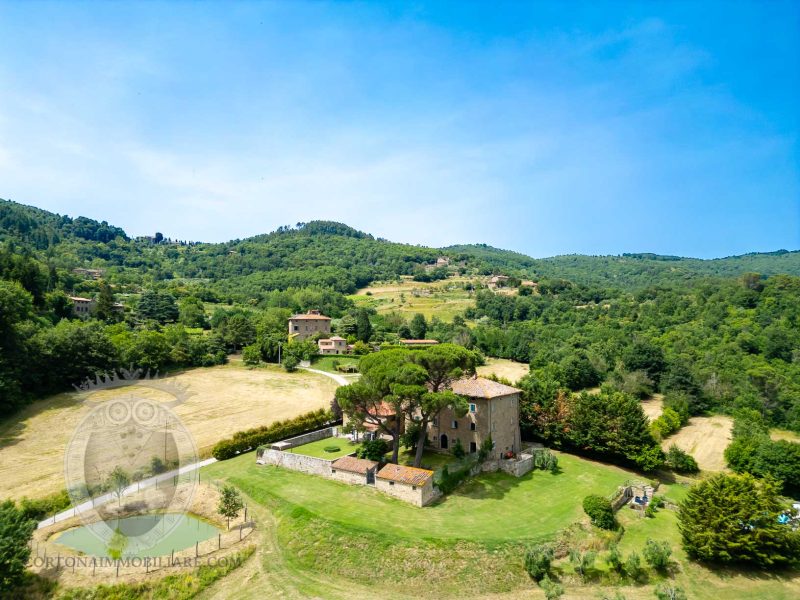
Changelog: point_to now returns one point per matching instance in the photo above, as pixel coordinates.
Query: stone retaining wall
(295, 462)
(312, 436)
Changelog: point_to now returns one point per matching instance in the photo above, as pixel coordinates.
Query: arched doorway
(443, 442)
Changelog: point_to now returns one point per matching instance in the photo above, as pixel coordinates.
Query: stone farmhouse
(493, 410)
(86, 307)
(333, 345)
(304, 326)
(82, 307)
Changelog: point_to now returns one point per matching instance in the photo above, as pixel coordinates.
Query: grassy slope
(470, 545)
(515, 504)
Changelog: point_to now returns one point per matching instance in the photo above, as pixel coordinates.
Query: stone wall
(312, 436)
(295, 462)
(518, 466)
(349, 477)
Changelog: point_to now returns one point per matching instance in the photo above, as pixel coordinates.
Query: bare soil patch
(225, 399)
(705, 438)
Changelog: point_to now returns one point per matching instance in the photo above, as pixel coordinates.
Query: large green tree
(15, 536)
(734, 519)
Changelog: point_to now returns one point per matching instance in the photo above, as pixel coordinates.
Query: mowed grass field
(223, 400)
(318, 449)
(330, 540)
(443, 299)
(492, 508)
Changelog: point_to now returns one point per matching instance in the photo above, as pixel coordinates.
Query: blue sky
(547, 128)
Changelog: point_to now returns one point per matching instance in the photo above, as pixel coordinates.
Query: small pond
(140, 536)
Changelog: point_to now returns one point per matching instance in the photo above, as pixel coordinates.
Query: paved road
(337, 378)
(144, 483)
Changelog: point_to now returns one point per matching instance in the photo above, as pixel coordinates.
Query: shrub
(450, 480)
(650, 510)
(331, 449)
(680, 461)
(290, 363)
(657, 554)
(41, 508)
(551, 589)
(251, 355)
(485, 449)
(599, 511)
(669, 422)
(458, 449)
(373, 450)
(669, 591)
(250, 439)
(582, 562)
(545, 460)
(633, 566)
(614, 558)
(537, 562)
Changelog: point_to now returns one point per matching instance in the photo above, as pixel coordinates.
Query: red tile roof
(309, 317)
(354, 465)
(480, 387)
(403, 474)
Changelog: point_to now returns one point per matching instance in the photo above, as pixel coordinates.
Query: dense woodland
(719, 335)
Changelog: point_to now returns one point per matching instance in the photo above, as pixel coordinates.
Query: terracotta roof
(336, 338)
(480, 387)
(310, 317)
(384, 409)
(420, 342)
(354, 465)
(403, 474)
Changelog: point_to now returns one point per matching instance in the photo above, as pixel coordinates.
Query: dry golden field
(508, 369)
(224, 400)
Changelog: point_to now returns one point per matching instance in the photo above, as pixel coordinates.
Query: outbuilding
(356, 471)
(409, 484)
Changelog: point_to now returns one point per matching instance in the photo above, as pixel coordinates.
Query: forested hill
(723, 333)
(327, 255)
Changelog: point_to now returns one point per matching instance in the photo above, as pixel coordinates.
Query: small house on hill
(332, 345)
(407, 483)
(304, 326)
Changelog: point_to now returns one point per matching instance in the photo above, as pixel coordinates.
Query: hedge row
(250, 439)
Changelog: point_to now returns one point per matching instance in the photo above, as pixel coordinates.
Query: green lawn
(325, 363)
(317, 449)
(430, 460)
(491, 508)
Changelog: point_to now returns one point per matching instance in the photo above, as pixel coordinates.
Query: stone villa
(493, 410)
(304, 326)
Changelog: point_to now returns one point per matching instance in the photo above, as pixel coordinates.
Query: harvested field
(508, 369)
(225, 399)
(705, 438)
(653, 406)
